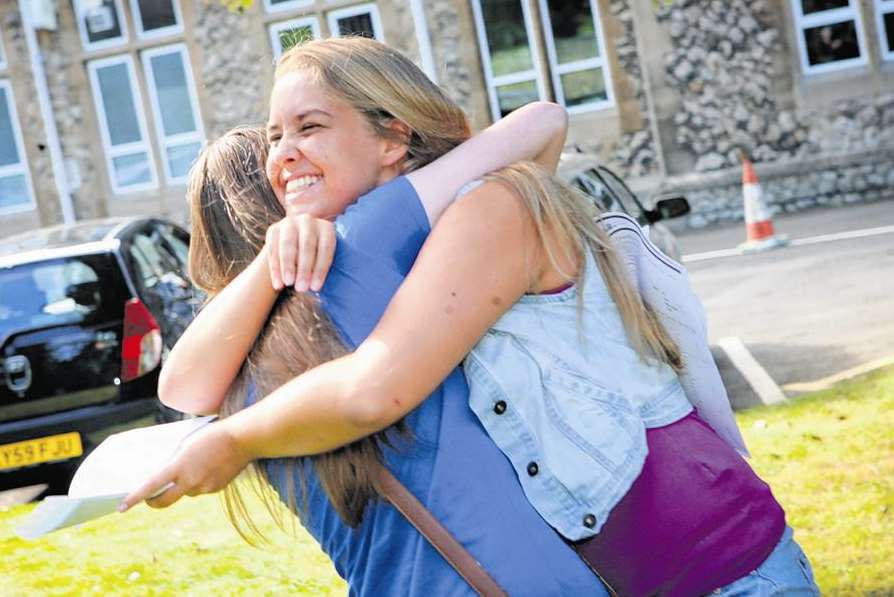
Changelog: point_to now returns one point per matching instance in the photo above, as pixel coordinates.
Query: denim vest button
(590, 521)
(533, 469)
(500, 407)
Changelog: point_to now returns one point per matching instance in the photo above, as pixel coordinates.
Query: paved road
(804, 312)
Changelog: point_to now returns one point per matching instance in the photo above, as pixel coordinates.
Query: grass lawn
(829, 458)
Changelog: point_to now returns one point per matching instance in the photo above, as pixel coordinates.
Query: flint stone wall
(722, 67)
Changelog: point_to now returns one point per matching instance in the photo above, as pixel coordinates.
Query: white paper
(116, 467)
(664, 285)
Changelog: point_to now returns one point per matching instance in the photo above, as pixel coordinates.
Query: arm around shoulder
(470, 271)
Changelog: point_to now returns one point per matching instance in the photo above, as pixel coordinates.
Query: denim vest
(568, 401)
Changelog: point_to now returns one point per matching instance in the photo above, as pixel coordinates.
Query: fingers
(272, 243)
(300, 252)
(164, 481)
(307, 251)
(170, 495)
(325, 254)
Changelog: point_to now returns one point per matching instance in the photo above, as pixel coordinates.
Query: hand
(300, 249)
(205, 463)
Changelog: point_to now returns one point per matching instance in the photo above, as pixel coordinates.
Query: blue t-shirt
(450, 465)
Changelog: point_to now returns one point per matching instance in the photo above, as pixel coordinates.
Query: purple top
(697, 518)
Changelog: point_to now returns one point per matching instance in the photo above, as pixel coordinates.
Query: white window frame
(164, 142)
(828, 17)
(176, 28)
(491, 81)
(22, 166)
(2, 54)
(106, 43)
(280, 26)
(882, 8)
(333, 16)
(557, 70)
(128, 148)
(283, 6)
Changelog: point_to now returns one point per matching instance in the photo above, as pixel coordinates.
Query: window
(101, 23)
(830, 35)
(884, 10)
(286, 34)
(510, 63)
(576, 51)
(122, 124)
(156, 17)
(280, 5)
(15, 181)
(356, 20)
(174, 105)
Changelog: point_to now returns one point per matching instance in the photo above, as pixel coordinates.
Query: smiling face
(323, 153)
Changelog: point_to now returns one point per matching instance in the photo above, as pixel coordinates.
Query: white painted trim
(882, 8)
(112, 152)
(168, 141)
(106, 43)
(557, 70)
(757, 377)
(2, 53)
(277, 28)
(426, 55)
(177, 27)
(22, 166)
(352, 11)
(283, 6)
(828, 17)
(491, 81)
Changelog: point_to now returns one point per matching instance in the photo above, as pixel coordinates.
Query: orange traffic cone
(758, 224)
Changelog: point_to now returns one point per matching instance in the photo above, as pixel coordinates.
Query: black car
(610, 193)
(86, 312)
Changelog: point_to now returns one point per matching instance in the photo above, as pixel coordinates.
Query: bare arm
(207, 357)
(399, 365)
(535, 132)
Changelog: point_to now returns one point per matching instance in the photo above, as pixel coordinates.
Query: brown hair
(232, 205)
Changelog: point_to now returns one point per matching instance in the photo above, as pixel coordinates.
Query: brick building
(103, 109)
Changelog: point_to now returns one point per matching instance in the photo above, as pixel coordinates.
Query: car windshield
(36, 295)
(607, 191)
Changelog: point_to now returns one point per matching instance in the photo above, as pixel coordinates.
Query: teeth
(302, 182)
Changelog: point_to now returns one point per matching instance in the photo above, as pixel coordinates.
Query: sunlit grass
(829, 458)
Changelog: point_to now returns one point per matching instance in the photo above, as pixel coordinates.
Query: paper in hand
(664, 285)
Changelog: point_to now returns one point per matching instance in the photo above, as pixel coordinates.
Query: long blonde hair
(566, 224)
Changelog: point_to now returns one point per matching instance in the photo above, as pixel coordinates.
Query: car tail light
(141, 347)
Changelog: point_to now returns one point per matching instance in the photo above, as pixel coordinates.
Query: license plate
(43, 449)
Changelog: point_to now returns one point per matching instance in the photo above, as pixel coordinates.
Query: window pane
(889, 30)
(504, 23)
(810, 6)
(294, 36)
(132, 169)
(361, 24)
(101, 20)
(516, 95)
(118, 101)
(573, 30)
(181, 157)
(156, 14)
(584, 87)
(9, 153)
(13, 191)
(173, 94)
(831, 43)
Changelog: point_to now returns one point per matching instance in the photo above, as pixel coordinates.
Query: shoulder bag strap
(439, 537)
